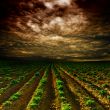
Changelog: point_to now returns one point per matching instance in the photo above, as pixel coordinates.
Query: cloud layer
(57, 29)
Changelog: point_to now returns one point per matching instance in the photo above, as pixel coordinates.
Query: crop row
(60, 87)
(98, 93)
(37, 95)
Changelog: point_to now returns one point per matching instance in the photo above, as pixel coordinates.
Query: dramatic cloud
(57, 29)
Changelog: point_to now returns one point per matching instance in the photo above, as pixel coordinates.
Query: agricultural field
(38, 85)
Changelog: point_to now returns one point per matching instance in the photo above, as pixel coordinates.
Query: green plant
(14, 82)
(2, 90)
(63, 98)
(104, 85)
(103, 92)
(66, 106)
(108, 97)
(43, 81)
(61, 93)
(37, 99)
(7, 103)
(39, 92)
(15, 96)
(37, 73)
(33, 105)
(60, 87)
(59, 82)
(90, 102)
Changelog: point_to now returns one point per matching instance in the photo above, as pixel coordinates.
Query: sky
(56, 29)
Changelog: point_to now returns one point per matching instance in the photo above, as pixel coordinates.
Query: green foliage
(59, 82)
(39, 92)
(14, 82)
(2, 90)
(37, 99)
(108, 97)
(90, 102)
(7, 103)
(60, 87)
(61, 93)
(33, 105)
(66, 106)
(103, 92)
(63, 98)
(43, 81)
(105, 85)
(15, 96)
(37, 73)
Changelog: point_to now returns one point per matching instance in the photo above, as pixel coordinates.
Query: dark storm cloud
(68, 48)
(59, 29)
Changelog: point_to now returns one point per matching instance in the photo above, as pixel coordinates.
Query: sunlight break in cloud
(57, 21)
(49, 5)
(33, 26)
(63, 2)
